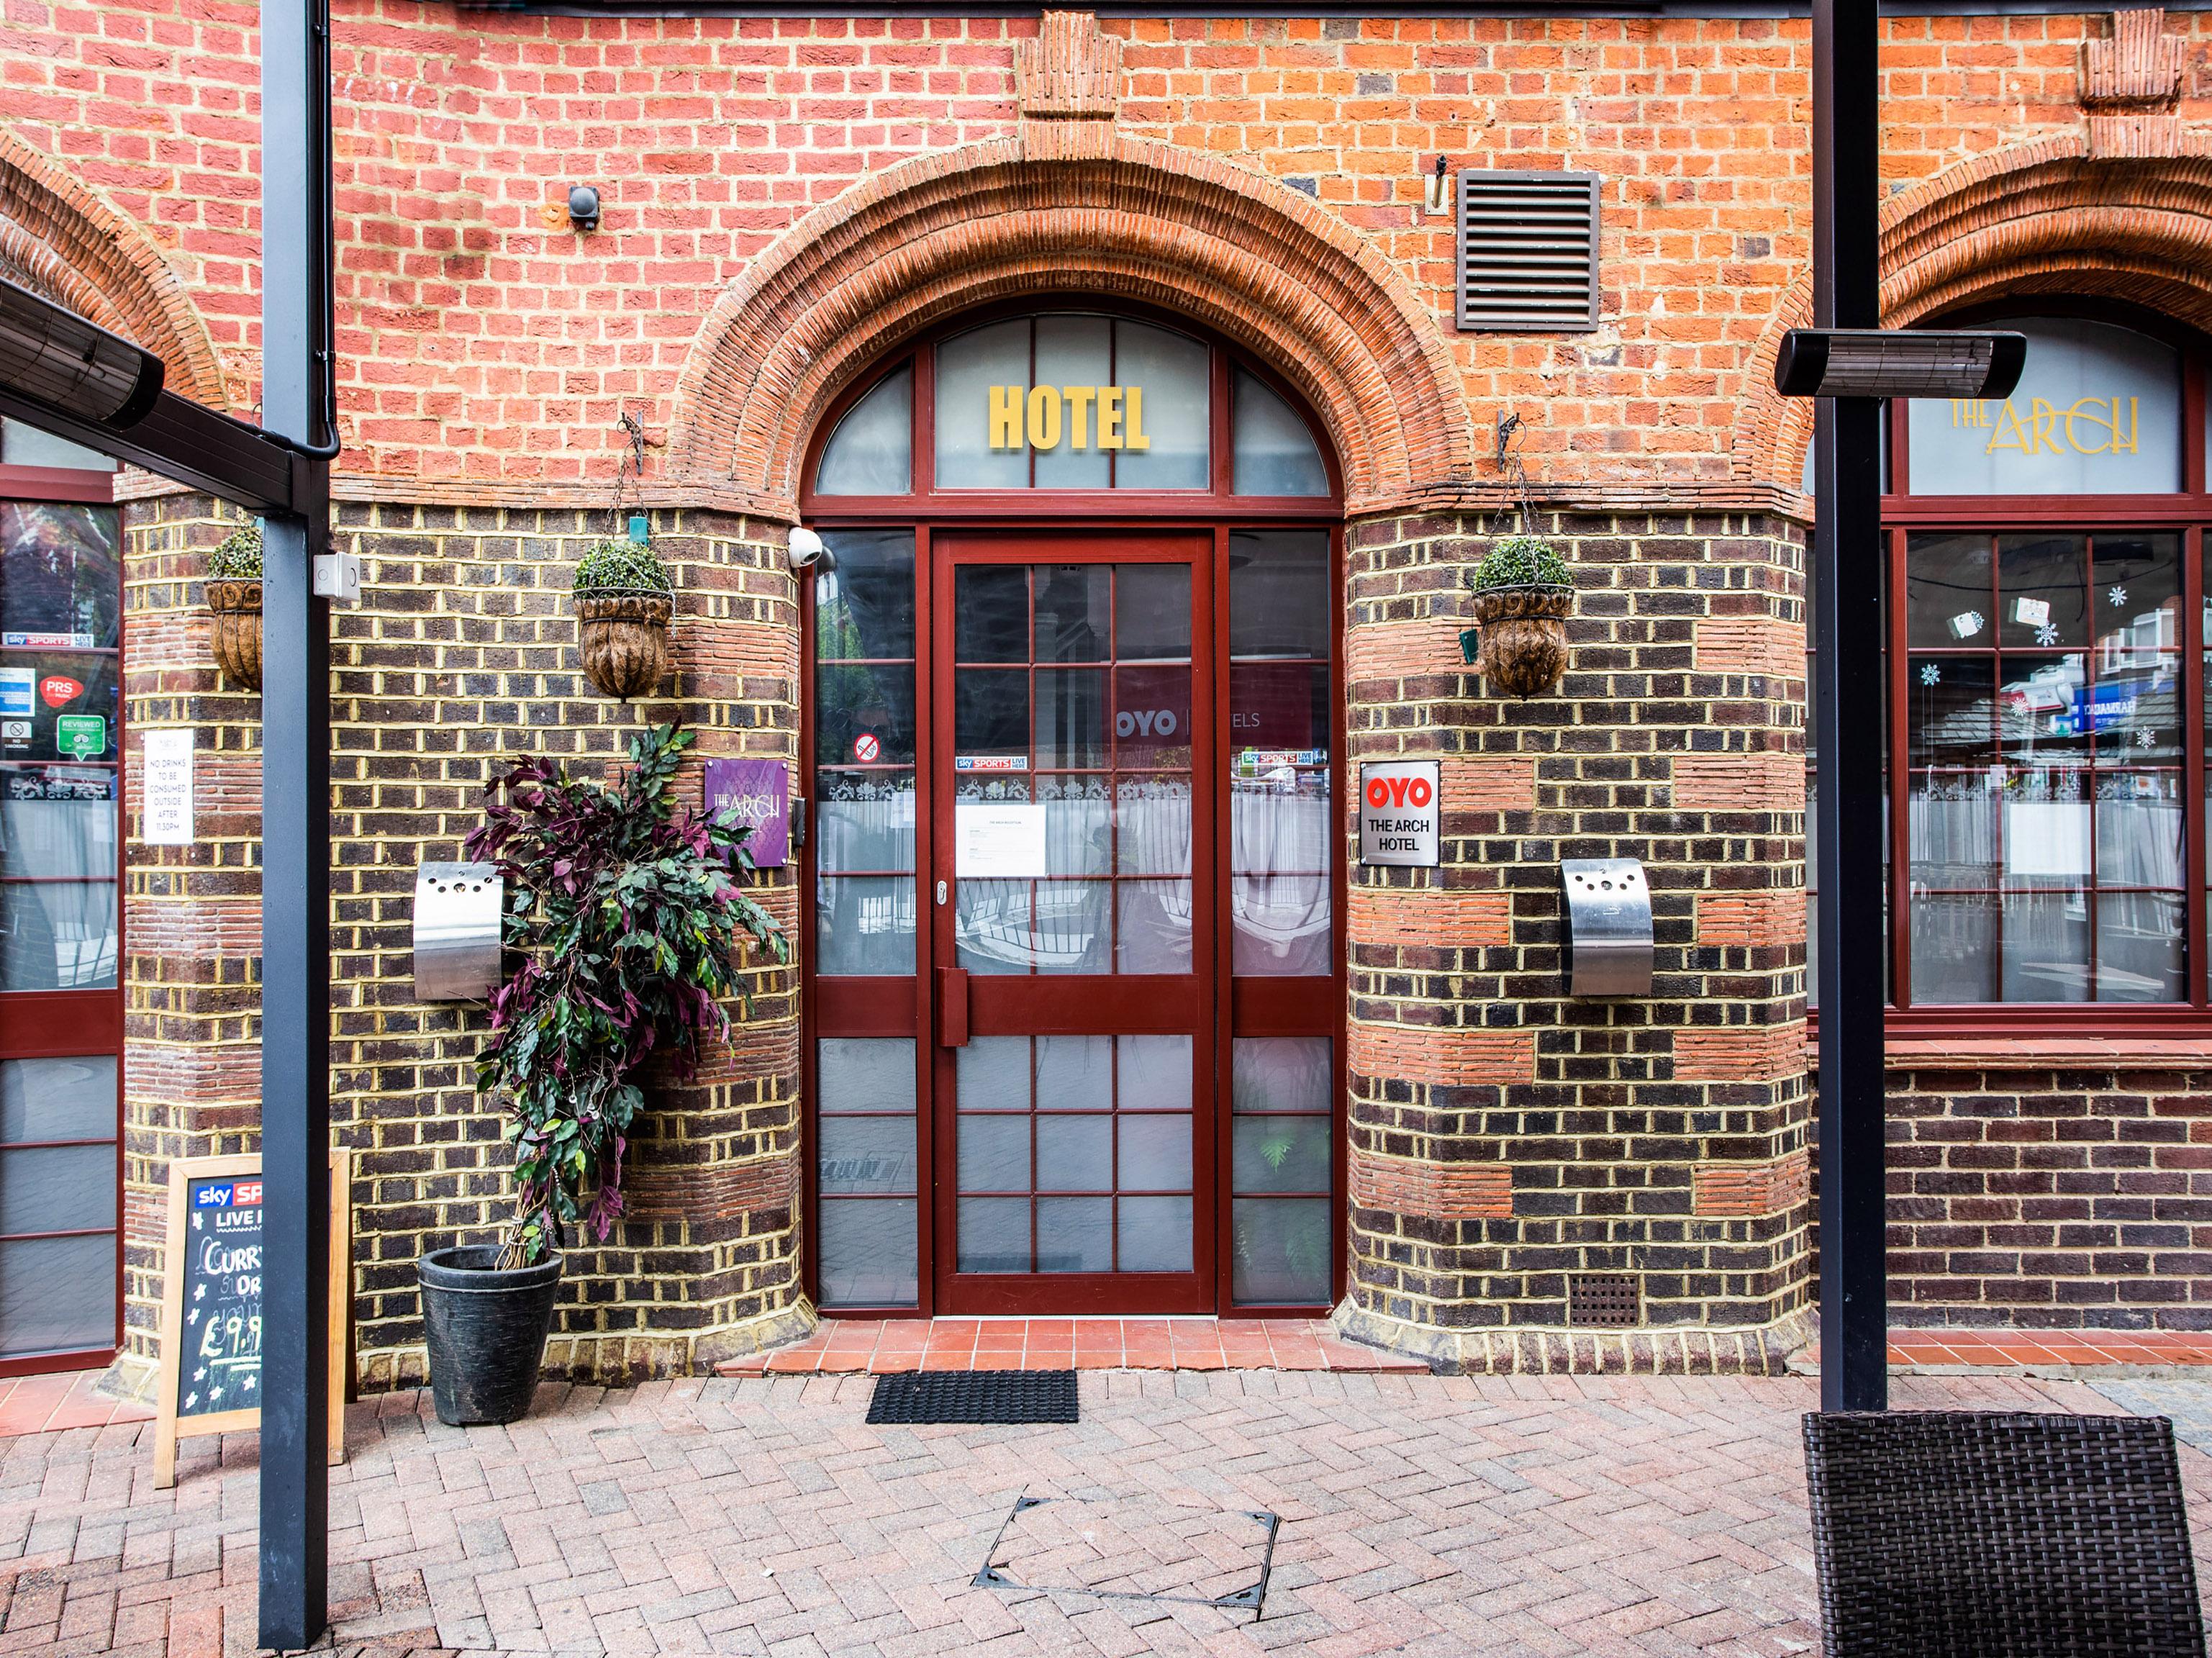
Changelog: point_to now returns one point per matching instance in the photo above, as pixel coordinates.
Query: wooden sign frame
(168, 1427)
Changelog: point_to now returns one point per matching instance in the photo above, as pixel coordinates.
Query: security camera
(808, 548)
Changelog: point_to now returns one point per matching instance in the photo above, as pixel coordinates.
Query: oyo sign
(1400, 806)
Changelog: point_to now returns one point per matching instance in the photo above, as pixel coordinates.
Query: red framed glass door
(1073, 922)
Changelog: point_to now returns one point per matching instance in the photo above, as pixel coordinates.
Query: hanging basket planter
(624, 600)
(1523, 594)
(234, 600)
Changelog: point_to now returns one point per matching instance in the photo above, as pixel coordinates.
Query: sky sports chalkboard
(211, 1317)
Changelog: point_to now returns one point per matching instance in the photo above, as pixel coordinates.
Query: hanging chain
(632, 467)
(1515, 473)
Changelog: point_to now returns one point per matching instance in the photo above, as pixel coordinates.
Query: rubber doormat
(975, 1396)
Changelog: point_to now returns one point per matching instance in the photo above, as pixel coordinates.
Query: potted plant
(624, 599)
(234, 598)
(632, 931)
(1523, 591)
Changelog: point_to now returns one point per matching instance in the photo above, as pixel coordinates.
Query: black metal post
(295, 859)
(1848, 693)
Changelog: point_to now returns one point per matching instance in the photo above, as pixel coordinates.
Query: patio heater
(1851, 363)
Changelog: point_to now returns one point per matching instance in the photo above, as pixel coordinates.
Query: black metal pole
(1848, 693)
(296, 861)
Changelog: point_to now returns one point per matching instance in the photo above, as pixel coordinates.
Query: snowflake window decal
(2119, 596)
(1930, 674)
(2047, 634)
(2144, 739)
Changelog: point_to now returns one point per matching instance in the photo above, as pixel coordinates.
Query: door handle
(953, 1007)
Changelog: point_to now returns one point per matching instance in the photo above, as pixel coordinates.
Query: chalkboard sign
(211, 1303)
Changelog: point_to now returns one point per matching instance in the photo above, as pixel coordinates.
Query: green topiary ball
(629, 567)
(1520, 562)
(237, 556)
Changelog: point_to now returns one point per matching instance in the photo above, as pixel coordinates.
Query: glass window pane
(1155, 1072)
(968, 366)
(2098, 412)
(865, 821)
(58, 1099)
(866, 1157)
(1075, 1073)
(1281, 1250)
(2045, 954)
(864, 609)
(2139, 825)
(1948, 597)
(864, 1073)
(1075, 1234)
(1281, 1073)
(1033, 926)
(2042, 591)
(869, 1252)
(995, 1152)
(56, 1295)
(1951, 829)
(58, 935)
(1152, 612)
(1282, 1153)
(1074, 1153)
(864, 714)
(1152, 827)
(993, 1073)
(871, 450)
(1077, 826)
(1951, 713)
(2045, 709)
(22, 444)
(991, 613)
(1155, 1152)
(2139, 954)
(1167, 384)
(61, 573)
(1152, 926)
(994, 1235)
(991, 715)
(1071, 717)
(74, 708)
(1074, 614)
(2047, 826)
(2135, 597)
(1273, 448)
(57, 1188)
(863, 925)
(1279, 594)
(1154, 1234)
(1954, 947)
(1074, 352)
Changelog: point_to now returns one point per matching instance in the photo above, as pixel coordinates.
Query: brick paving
(58, 1399)
(880, 1346)
(1422, 1516)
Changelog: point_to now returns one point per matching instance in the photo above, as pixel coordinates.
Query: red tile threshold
(875, 1346)
(59, 1400)
(2011, 1349)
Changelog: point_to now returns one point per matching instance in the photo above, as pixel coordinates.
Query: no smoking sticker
(866, 748)
(1400, 806)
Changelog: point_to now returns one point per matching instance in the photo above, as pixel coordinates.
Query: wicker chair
(1989, 1534)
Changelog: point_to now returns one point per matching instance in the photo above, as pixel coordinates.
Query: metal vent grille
(1527, 252)
(1603, 1298)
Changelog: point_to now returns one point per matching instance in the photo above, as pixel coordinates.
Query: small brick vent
(1604, 1298)
(1527, 252)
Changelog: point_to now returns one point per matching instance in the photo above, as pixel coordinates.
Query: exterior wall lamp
(583, 207)
(81, 368)
(1898, 363)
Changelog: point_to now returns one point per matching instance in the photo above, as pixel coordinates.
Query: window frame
(29, 1020)
(2187, 510)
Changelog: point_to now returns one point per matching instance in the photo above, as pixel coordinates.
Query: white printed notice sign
(165, 789)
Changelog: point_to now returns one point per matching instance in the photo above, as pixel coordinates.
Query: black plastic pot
(487, 1332)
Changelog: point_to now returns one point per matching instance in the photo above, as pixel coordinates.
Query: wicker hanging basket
(624, 640)
(236, 608)
(1523, 634)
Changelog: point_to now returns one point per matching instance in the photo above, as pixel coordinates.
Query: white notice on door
(998, 837)
(167, 789)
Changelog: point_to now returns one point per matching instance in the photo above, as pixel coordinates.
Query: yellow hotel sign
(2088, 426)
(1040, 417)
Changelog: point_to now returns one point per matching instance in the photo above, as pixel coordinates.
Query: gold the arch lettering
(2089, 426)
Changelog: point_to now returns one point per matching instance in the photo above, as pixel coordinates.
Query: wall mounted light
(81, 369)
(1898, 363)
(1435, 191)
(583, 207)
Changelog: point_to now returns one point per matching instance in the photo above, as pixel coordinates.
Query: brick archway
(56, 238)
(1057, 209)
(2048, 218)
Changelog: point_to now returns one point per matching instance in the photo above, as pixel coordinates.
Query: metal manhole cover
(974, 1396)
(1135, 1548)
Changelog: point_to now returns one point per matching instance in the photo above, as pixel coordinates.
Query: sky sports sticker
(991, 762)
(51, 641)
(241, 1194)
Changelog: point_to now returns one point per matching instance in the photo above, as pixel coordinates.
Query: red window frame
(2188, 512)
(32, 1024)
(1245, 1006)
